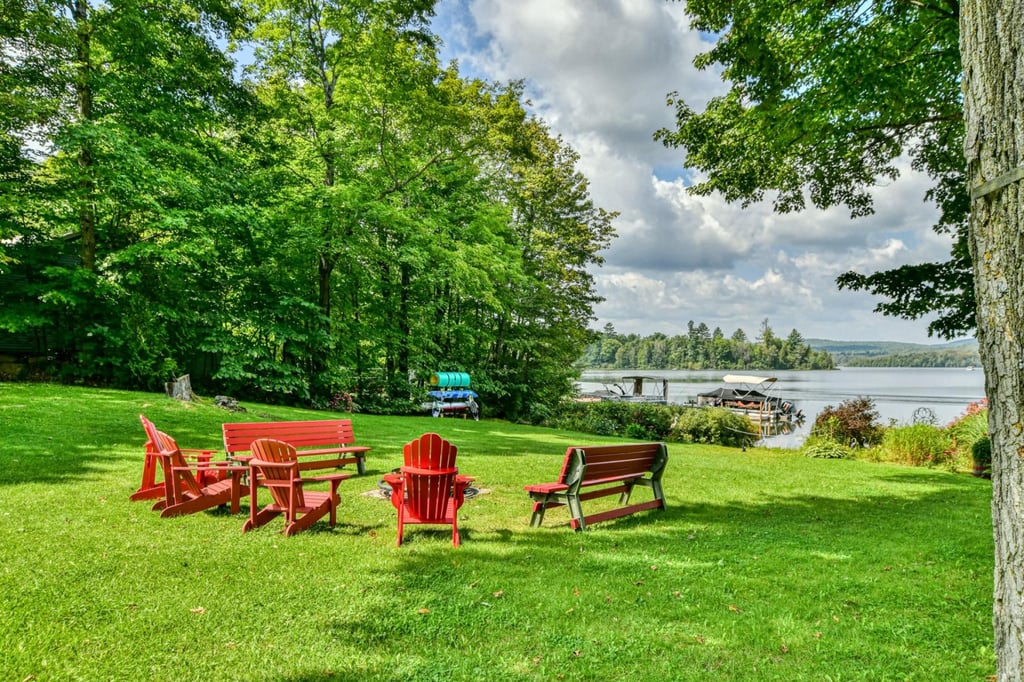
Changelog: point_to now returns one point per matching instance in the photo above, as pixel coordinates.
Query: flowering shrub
(342, 402)
(853, 423)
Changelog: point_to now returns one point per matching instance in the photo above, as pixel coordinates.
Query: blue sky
(598, 73)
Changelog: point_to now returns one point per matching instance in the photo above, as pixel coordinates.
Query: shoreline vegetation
(703, 348)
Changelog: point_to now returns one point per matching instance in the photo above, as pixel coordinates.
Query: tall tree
(346, 82)
(824, 98)
(992, 47)
(560, 234)
(119, 113)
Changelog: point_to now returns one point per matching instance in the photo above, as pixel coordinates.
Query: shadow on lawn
(676, 564)
(822, 521)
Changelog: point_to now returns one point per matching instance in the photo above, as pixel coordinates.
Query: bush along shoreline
(851, 430)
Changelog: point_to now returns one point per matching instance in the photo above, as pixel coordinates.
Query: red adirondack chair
(151, 487)
(275, 465)
(190, 487)
(429, 489)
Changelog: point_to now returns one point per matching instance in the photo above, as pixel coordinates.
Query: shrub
(855, 421)
(967, 429)
(981, 451)
(714, 425)
(917, 445)
(648, 421)
(639, 421)
(824, 447)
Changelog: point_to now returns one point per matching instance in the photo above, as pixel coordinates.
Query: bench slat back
(609, 461)
(238, 437)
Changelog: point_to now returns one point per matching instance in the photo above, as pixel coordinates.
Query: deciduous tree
(824, 99)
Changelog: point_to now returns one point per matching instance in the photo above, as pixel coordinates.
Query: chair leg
(259, 518)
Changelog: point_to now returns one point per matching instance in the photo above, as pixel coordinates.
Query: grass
(766, 565)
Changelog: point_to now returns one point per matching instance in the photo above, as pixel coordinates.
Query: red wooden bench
(595, 471)
(320, 444)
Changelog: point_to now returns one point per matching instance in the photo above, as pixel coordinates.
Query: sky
(598, 73)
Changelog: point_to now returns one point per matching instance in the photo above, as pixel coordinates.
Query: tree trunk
(83, 93)
(180, 389)
(992, 50)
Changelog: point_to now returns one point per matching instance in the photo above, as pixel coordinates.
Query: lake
(898, 392)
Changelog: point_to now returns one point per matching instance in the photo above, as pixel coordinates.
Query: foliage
(650, 421)
(702, 348)
(824, 447)
(638, 421)
(917, 445)
(969, 428)
(345, 218)
(714, 425)
(981, 451)
(653, 596)
(855, 422)
(804, 123)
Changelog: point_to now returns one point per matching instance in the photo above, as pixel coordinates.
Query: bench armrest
(545, 488)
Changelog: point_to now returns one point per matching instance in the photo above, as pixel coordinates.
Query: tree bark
(992, 51)
(180, 389)
(83, 93)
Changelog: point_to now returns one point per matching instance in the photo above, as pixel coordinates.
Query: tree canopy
(343, 215)
(824, 99)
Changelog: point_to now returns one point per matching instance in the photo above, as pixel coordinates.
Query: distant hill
(963, 353)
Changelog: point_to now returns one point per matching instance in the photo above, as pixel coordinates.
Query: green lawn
(766, 565)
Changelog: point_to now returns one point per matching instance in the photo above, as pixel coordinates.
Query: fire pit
(469, 492)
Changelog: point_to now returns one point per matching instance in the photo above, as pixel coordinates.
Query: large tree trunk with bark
(992, 49)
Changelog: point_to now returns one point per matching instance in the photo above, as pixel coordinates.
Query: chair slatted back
(179, 468)
(430, 475)
(429, 493)
(278, 452)
(430, 451)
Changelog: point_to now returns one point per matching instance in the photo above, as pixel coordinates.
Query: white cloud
(598, 72)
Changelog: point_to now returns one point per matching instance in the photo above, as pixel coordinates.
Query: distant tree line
(703, 348)
(937, 358)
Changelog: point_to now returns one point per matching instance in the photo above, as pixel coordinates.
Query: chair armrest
(325, 478)
(230, 468)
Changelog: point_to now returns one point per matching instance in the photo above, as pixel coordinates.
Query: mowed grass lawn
(767, 565)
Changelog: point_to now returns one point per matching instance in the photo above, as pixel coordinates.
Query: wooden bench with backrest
(320, 444)
(595, 471)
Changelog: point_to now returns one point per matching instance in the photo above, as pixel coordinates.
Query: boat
(635, 388)
(751, 396)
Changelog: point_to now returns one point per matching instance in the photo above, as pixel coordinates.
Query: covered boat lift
(751, 396)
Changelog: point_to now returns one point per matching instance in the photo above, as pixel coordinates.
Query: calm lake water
(898, 392)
